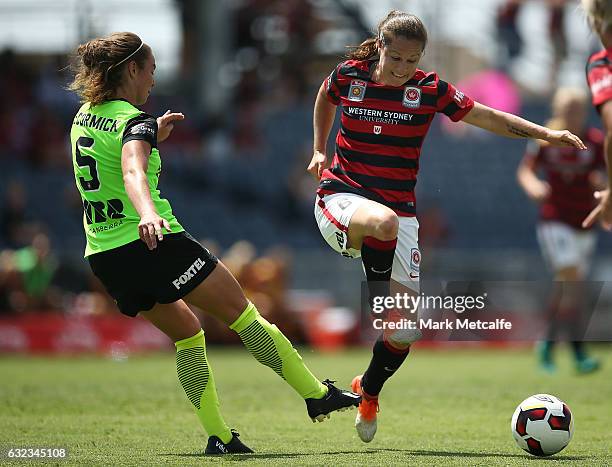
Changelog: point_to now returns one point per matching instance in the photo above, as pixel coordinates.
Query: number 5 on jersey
(87, 161)
(95, 211)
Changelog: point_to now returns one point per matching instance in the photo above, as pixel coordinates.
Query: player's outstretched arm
(322, 122)
(512, 126)
(134, 162)
(603, 211)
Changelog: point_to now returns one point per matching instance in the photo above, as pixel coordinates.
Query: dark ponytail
(366, 50)
(396, 23)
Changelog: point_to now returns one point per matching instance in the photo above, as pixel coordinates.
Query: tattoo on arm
(518, 131)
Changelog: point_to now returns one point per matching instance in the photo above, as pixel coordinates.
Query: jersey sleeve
(332, 87)
(141, 128)
(599, 78)
(452, 102)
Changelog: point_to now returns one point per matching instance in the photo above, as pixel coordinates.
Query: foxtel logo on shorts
(188, 275)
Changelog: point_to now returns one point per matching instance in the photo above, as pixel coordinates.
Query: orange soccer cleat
(365, 422)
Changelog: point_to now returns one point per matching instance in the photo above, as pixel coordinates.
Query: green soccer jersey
(97, 137)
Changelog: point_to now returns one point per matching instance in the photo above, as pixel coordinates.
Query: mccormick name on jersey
(95, 121)
(382, 129)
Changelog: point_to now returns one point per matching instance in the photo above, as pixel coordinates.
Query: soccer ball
(542, 425)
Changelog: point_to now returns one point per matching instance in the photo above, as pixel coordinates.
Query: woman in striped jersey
(365, 203)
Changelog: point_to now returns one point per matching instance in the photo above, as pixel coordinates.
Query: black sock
(386, 360)
(377, 256)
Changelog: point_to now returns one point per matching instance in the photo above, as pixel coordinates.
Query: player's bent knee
(176, 320)
(191, 322)
(386, 225)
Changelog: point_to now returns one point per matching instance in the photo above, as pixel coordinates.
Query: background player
(140, 251)
(365, 202)
(566, 196)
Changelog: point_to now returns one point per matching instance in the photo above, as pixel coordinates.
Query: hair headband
(125, 59)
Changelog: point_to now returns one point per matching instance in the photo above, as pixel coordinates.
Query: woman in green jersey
(148, 263)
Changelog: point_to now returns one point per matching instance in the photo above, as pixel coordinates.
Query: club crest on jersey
(412, 97)
(357, 90)
(415, 259)
(377, 129)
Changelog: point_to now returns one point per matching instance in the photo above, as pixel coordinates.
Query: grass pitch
(450, 407)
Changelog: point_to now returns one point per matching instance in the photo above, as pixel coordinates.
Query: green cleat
(544, 355)
(587, 365)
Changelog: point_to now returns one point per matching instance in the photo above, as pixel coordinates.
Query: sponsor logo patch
(377, 129)
(189, 273)
(343, 204)
(221, 447)
(357, 90)
(143, 129)
(412, 97)
(600, 83)
(459, 96)
(340, 239)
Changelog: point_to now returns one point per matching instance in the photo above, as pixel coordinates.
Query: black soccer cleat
(216, 447)
(335, 400)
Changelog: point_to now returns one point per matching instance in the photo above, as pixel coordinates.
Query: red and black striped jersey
(599, 76)
(382, 129)
(568, 172)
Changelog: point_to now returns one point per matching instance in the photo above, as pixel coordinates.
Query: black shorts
(138, 278)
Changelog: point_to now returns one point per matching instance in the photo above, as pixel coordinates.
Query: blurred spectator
(16, 228)
(511, 42)
(507, 30)
(558, 36)
(49, 133)
(31, 271)
(7, 281)
(16, 106)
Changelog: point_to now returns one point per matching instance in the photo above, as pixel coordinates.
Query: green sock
(197, 381)
(271, 348)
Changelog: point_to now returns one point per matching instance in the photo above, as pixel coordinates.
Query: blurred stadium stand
(245, 73)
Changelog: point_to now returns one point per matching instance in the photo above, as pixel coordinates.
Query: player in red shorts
(365, 203)
(599, 78)
(566, 196)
